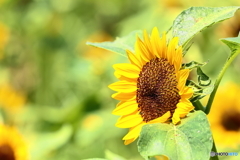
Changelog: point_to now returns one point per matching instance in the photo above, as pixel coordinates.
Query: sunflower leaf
(193, 64)
(203, 79)
(195, 19)
(192, 139)
(112, 156)
(199, 91)
(233, 43)
(96, 159)
(120, 45)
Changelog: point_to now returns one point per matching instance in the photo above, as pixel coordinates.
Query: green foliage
(191, 139)
(233, 44)
(109, 156)
(199, 91)
(51, 141)
(196, 19)
(68, 110)
(203, 79)
(203, 87)
(95, 159)
(112, 156)
(193, 64)
(120, 45)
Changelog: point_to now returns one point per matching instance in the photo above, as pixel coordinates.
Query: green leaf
(112, 156)
(193, 64)
(192, 139)
(95, 159)
(196, 19)
(49, 142)
(232, 43)
(203, 87)
(120, 45)
(199, 91)
(203, 79)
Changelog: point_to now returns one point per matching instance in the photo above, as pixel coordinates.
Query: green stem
(198, 106)
(218, 80)
(214, 149)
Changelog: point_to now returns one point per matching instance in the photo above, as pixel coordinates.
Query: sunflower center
(6, 152)
(231, 121)
(157, 90)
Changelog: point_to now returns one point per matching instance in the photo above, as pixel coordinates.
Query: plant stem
(214, 149)
(198, 105)
(218, 80)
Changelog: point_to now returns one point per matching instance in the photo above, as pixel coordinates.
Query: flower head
(152, 87)
(12, 146)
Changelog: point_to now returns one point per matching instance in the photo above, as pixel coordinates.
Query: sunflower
(12, 146)
(152, 87)
(225, 117)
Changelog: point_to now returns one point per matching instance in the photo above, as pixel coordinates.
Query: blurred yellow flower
(92, 122)
(171, 3)
(152, 87)
(225, 116)
(12, 145)
(4, 36)
(10, 98)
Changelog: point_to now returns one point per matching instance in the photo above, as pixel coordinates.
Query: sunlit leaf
(203, 79)
(192, 139)
(232, 43)
(196, 19)
(96, 159)
(193, 64)
(48, 142)
(60, 115)
(199, 91)
(120, 45)
(112, 156)
(202, 88)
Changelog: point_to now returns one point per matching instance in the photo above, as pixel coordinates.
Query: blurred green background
(54, 87)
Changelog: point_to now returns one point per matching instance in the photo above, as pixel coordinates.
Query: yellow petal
(129, 121)
(178, 59)
(163, 45)
(176, 117)
(123, 78)
(125, 108)
(123, 86)
(187, 92)
(161, 119)
(161, 157)
(124, 96)
(144, 53)
(128, 141)
(155, 41)
(183, 108)
(182, 77)
(127, 70)
(172, 50)
(134, 132)
(148, 45)
(134, 59)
